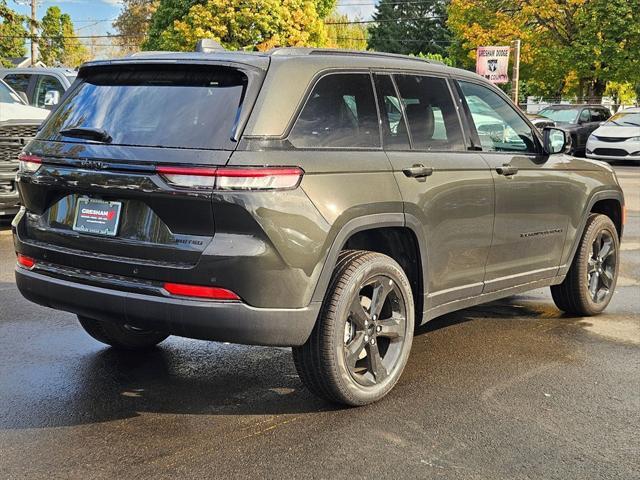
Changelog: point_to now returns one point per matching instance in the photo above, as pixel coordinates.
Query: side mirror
(23, 97)
(556, 140)
(51, 98)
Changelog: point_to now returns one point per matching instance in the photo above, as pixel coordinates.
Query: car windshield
(626, 119)
(564, 115)
(7, 95)
(159, 106)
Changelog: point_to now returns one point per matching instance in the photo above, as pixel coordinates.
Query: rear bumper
(233, 322)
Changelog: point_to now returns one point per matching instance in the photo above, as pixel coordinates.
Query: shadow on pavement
(61, 377)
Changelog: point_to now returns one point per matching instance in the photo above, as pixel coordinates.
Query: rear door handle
(417, 171)
(507, 170)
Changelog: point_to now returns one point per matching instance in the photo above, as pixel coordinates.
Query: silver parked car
(618, 138)
(40, 87)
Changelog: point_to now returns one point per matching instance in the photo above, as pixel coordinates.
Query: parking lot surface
(512, 389)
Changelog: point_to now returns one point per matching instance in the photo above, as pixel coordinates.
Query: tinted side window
(585, 116)
(499, 126)
(340, 113)
(394, 128)
(430, 112)
(46, 83)
(19, 82)
(598, 115)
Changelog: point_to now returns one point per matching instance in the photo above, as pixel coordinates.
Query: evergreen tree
(410, 27)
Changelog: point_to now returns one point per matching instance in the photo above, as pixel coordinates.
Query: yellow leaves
(248, 24)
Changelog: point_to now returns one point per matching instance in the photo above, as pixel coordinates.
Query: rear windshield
(179, 106)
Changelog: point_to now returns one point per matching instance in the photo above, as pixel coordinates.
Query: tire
(575, 295)
(359, 346)
(120, 335)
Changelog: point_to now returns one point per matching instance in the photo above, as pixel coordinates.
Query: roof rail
(298, 51)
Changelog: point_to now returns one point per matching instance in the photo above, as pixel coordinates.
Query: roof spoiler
(208, 45)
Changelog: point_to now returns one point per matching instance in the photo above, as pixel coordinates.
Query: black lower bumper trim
(233, 322)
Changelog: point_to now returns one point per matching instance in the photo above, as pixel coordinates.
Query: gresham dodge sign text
(493, 63)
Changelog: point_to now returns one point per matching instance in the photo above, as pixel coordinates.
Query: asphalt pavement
(508, 390)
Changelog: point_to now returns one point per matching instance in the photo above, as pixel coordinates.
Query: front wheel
(591, 280)
(362, 338)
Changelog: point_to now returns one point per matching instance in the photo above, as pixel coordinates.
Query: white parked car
(19, 123)
(618, 138)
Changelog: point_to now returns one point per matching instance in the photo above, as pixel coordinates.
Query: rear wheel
(591, 280)
(362, 338)
(121, 335)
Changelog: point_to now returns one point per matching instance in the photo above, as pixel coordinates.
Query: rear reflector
(29, 163)
(26, 262)
(231, 178)
(212, 293)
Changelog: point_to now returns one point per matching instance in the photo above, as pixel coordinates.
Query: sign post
(493, 63)
(515, 84)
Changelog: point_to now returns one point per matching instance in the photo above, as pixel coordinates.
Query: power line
(415, 2)
(408, 19)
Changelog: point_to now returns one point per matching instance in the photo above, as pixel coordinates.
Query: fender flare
(359, 224)
(596, 197)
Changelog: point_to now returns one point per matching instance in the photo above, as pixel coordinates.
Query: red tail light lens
(29, 163)
(211, 293)
(26, 262)
(233, 178)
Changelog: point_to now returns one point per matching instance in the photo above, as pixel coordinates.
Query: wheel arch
(392, 234)
(607, 202)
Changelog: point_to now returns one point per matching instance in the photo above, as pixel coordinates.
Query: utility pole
(515, 81)
(34, 32)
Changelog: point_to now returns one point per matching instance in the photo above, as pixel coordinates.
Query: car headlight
(633, 139)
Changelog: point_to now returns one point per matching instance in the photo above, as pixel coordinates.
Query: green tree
(59, 44)
(245, 24)
(133, 23)
(162, 19)
(12, 34)
(410, 27)
(342, 34)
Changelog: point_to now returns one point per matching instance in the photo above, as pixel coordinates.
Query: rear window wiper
(89, 133)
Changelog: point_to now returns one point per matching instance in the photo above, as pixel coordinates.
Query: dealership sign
(492, 63)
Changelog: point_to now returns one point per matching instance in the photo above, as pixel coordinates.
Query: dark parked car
(578, 120)
(325, 200)
(540, 122)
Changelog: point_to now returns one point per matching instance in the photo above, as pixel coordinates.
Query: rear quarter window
(160, 106)
(340, 112)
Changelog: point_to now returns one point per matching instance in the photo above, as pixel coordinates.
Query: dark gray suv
(329, 201)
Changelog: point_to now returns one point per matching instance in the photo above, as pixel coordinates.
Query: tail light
(233, 178)
(198, 291)
(29, 163)
(26, 262)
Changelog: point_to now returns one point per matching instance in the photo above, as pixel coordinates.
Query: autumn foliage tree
(133, 23)
(341, 33)
(238, 24)
(568, 46)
